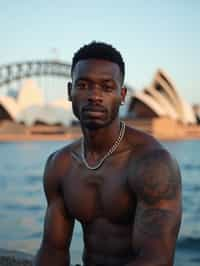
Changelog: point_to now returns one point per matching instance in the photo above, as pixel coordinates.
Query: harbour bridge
(19, 71)
(47, 73)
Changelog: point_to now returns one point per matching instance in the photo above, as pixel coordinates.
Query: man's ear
(123, 94)
(69, 88)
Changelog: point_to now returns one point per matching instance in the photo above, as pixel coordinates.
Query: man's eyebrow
(108, 80)
(82, 78)
(105, 80)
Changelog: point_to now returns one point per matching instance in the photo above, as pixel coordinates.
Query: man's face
(96, 92)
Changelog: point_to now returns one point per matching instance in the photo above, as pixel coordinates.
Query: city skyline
(149, 36)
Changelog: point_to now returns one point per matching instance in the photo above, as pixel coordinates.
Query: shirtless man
(119, 183)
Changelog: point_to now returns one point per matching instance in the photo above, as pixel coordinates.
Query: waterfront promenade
(161, 128)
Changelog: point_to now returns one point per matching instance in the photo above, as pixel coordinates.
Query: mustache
(94, 108)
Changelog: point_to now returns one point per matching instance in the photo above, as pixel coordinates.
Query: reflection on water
(23, 203)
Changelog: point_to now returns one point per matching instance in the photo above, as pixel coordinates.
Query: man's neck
(98, 142)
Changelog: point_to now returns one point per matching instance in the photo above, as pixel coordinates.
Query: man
(119, 183)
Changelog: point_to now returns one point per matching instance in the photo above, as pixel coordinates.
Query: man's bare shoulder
(59, 161)
(63, 155)
(57, 166)
(140, 142)
(153, 169)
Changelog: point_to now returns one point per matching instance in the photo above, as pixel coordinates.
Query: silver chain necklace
(111, 150)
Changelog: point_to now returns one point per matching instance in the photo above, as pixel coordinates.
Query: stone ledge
(15, 258)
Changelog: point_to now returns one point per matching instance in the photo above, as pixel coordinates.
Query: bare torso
(102, 201)
(129, 208)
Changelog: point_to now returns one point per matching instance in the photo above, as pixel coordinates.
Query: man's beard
(95, 125)
(92, 125)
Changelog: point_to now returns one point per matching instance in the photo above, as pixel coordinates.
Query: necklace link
(110, 151)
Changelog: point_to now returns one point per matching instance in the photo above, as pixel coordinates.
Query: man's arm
(157, 184)
(58, 226)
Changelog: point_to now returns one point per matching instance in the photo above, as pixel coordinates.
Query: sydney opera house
(161, 99)
(29, 107)
(25, 113)
(158, 109)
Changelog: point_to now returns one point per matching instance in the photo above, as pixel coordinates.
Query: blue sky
(149, 34)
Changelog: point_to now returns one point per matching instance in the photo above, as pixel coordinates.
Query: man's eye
(107, 88)
(81, 85)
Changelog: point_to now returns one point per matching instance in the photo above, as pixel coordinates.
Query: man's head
(102, 51)
(96, 90)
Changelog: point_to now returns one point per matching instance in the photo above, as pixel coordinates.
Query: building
(161, 99)
(28, 107)
(196, 109)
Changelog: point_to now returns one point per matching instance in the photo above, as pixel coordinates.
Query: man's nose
(95, 93)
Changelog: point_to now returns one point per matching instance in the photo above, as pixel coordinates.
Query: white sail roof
(47, 114)
(30, 94)
(10, 105)
(163, 98)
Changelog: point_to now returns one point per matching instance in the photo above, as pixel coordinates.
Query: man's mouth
(95, 111)
(94, 108)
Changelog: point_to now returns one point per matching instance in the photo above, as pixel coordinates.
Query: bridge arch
(19, 71)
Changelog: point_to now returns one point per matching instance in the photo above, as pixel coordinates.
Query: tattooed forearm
(154, 222)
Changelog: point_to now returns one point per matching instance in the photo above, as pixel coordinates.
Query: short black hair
(99, 50)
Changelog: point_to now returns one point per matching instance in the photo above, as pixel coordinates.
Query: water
(23, 204)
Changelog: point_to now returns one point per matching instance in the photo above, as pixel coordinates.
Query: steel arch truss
(19, 71)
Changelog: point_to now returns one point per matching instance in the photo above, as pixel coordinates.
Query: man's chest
(105, 193)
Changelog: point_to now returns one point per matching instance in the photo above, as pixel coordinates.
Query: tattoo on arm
(157, 182)
(155, 222)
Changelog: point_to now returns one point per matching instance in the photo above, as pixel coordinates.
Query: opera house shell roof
(29, 107)
(161, 99)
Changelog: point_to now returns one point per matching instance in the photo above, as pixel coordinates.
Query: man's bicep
(155, 230)
(158, 213)
(50, 180)
(58, 225)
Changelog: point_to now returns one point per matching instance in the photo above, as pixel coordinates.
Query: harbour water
(22, 201)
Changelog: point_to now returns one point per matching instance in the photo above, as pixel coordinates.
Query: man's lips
(94, 111)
